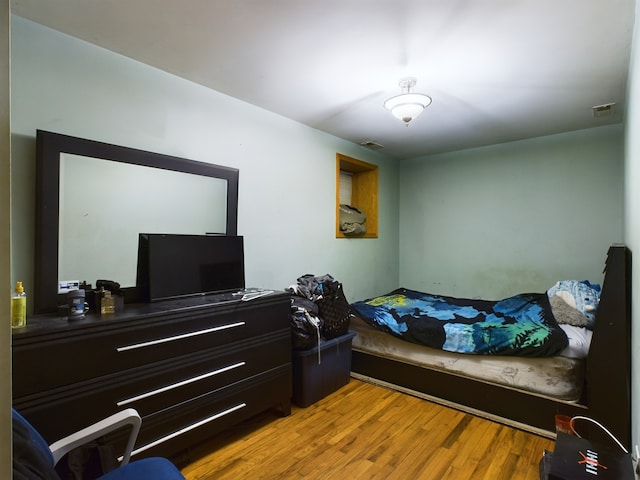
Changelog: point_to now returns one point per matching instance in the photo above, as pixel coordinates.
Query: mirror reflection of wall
(104, 205)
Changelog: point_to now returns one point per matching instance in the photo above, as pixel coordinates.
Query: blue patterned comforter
(520, 325)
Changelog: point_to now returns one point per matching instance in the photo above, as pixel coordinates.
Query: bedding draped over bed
(521, 325)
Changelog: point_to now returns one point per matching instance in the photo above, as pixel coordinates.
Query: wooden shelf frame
(364, 193)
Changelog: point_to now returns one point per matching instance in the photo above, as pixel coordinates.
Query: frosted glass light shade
(407, 106)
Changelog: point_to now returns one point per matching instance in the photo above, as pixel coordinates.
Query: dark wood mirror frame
(49, 146)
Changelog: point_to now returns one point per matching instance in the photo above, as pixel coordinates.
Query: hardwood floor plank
(367, 432)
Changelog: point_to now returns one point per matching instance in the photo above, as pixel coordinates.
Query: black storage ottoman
(321, 370)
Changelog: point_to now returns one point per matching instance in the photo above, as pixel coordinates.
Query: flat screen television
(172, 266)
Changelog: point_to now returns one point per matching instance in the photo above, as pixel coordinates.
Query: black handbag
(334, 310)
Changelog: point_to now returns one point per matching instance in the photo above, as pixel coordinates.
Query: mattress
(560, 377)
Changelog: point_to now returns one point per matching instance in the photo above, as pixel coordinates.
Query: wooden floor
(368, 432)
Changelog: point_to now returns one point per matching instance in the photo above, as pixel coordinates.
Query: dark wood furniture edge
(608, 376)
(506, 405)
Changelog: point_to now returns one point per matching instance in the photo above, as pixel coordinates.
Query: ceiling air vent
(603, 110)
(371, 144)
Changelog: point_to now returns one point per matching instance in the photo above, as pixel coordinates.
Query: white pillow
(579, 341)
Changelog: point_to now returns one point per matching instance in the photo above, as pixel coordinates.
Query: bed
(522, 379)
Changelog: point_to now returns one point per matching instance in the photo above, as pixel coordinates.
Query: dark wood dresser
(191, 367)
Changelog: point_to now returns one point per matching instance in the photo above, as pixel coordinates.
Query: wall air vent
(603, 110)
(371, 144)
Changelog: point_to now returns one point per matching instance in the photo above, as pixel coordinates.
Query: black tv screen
(173, 266)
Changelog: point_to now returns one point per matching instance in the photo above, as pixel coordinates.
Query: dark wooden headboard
(608, 376)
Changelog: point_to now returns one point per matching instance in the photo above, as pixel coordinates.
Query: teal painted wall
(287, 170)
(499, 220)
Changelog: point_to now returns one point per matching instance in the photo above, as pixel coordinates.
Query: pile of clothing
(319, 310)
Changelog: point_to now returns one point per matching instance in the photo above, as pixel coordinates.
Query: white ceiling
(497, 70)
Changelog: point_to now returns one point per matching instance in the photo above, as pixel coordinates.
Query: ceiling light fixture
(408, 105)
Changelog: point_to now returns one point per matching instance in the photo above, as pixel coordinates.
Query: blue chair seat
(156, 468)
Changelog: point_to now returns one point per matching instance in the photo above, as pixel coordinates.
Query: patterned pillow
(581, 295)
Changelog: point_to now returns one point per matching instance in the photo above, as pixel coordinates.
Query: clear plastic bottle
(107, 303)
(19, 307)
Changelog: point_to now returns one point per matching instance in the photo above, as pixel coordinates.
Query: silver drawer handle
(179, 337)
(188, 428)
(180, 384)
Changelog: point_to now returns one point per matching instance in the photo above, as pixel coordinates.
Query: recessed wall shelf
(364, 193)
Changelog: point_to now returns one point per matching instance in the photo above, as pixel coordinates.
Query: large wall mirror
(93, 199)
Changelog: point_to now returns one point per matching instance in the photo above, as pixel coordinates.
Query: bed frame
(607, 388)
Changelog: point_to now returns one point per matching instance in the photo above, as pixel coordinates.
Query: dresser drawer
(173, 430)
(155, 388)
(167, 432)
(89, 353)
(196, 375)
